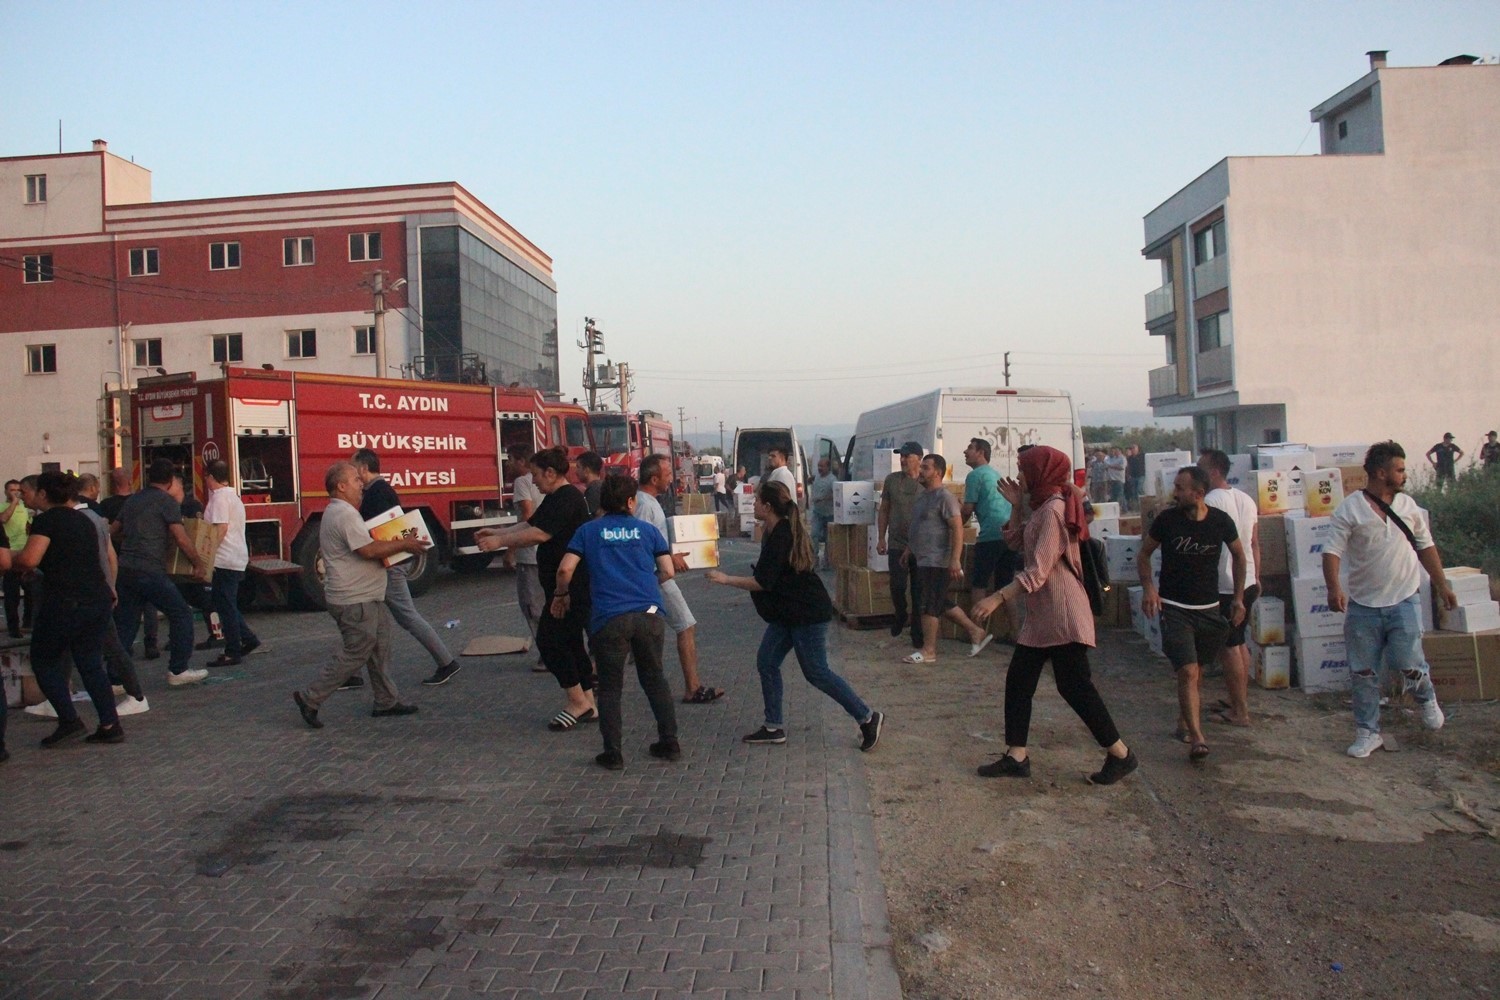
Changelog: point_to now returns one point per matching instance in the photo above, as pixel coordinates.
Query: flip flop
(1198, 752)
(565, 720)
(975, 648)
(703, 695)
(916, 657)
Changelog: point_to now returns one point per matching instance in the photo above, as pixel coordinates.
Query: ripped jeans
(1390, 637)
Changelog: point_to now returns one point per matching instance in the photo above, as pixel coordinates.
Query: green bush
(1466, 519)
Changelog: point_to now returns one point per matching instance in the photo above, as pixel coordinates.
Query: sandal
(1198, 752)
(565, 720)
(916, 657)
(703, 695)
(975, 648)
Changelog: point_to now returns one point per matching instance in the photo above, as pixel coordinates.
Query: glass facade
(476, 302)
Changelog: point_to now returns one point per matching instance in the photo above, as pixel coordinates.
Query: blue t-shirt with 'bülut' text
(620, 552)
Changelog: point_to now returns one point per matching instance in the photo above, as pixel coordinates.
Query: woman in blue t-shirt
(627, 562)
(794, 604)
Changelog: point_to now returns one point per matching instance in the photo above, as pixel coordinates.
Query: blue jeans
(136, 590)
(820, 523)
(226, 598)
(811, 645)
(1391, 635)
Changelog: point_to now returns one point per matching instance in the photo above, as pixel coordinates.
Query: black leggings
(1070, 668)
(560, 643)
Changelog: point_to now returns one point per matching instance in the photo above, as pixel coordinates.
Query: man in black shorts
(1191, 535)
(935, 553)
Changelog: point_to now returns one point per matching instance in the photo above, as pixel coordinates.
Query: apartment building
(99, 286)
(1351, 296)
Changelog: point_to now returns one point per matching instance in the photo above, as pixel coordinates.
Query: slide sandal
(975, 648)
(916, 657)
(565, 720)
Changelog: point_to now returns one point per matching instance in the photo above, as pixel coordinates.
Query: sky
(776, 212)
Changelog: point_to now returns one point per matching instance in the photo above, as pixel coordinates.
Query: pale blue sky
(777, 212)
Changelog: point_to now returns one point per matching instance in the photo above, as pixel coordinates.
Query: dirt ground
(1278, 868)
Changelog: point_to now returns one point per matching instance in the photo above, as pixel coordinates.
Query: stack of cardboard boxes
(1465, 656)
(696, 537)
(861, 589)
(1266, 638)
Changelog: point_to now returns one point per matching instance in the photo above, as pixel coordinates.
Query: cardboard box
(1277, 492)
(697, 503)
(1166, 479)
(206, 540)
(1106, 510)
(744, 501)
(1305, 538)
(1339, 455)
(1130, 524)
(1120, 552)
(1283, 457)
(1241, 473)
(1271, 666)
(1310, 609)
(1322, 491)
(700, 555)
(1470, 617)
(1488, 644)
(1469, 585)
(693, 527)
(1116, 613)
(729, 523)
(1322, 664)
(1159, 460)
(15, 663)
(854, 503)
(1453, 662)
(880, 562)
(1268, 621)
(864, 592)
(1273, 546)
(849, 545)
(1355, 478)
(1104, 528)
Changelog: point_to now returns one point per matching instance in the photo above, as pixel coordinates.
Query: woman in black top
(75, 610)
(794, 604)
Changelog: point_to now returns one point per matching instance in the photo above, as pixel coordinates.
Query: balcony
(1215, 367)
(1163, 383)
(1159, 303)
(1210, 276)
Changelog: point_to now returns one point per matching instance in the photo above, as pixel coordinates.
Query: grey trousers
(366, 631)
(404, 610)
(529, 594)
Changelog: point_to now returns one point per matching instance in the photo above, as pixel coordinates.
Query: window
(144, 260)
(1343, 130)
(38, 267)
(364, 340)
(36, 189)
(297, 251)
(41, 359)
(223, 256)
(364, 246)
(148, 353)
(302, 343)
(1171, 342)
(1214, 332)
(1209, 243)
(229, 347)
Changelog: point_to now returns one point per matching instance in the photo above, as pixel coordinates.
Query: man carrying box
(1383, 536)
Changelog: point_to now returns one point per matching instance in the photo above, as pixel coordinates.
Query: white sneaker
(42, 710)
(190, 676)
(1366, 743)
(131, 706)
(1432, 715)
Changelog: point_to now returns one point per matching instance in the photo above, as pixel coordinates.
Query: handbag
(1094, 575)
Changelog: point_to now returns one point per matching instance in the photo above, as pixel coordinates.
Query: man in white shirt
(226, 512)
(1235, 658)
(1383, 536)
(656, 478)
(779, 473)
(529, 594)
(721, 491)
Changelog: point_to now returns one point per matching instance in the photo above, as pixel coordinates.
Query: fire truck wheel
(423, 569)
(310, 556)
(474, 563)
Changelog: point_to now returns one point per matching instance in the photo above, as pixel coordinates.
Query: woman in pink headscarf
(1059, 622)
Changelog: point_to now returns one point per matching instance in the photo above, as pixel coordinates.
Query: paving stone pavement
(227, 851)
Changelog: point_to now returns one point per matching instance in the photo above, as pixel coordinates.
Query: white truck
(944, 420)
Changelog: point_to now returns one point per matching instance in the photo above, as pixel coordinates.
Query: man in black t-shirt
(550, 528)
(1444, 457)
(1191, 536)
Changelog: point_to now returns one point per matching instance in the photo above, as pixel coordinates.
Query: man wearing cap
(1489, 452)
(892, 523)
(1444, 457)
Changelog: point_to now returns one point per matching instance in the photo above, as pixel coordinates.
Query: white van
(752, 446)
(944, 420)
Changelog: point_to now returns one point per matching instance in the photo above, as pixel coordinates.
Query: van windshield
(611, 437)
(753, 447)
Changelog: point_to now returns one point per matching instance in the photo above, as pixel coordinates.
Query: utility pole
(721, 438)
(681, 432)
(1007, 369)
(379, 287)
(624, 370)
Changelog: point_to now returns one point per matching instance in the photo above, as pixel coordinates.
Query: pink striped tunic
(1057, 607)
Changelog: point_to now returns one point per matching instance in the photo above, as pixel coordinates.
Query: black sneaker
(396, 709)
(309, 714)
(249, 647)
(211, 642)
(1006, 767)
(767, 735)
(65, 731)
(113, 734)
(442, 675)
(354, 681)
(666, 750)
(610, 760)
(1115, 768)
(898, 626)
(871, 731)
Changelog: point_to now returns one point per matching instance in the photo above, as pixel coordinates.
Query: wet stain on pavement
(569, 848)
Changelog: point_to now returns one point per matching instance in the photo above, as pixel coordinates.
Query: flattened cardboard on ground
(495, 645)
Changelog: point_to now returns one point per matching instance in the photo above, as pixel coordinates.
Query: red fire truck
(624, 439)
(443, 446)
